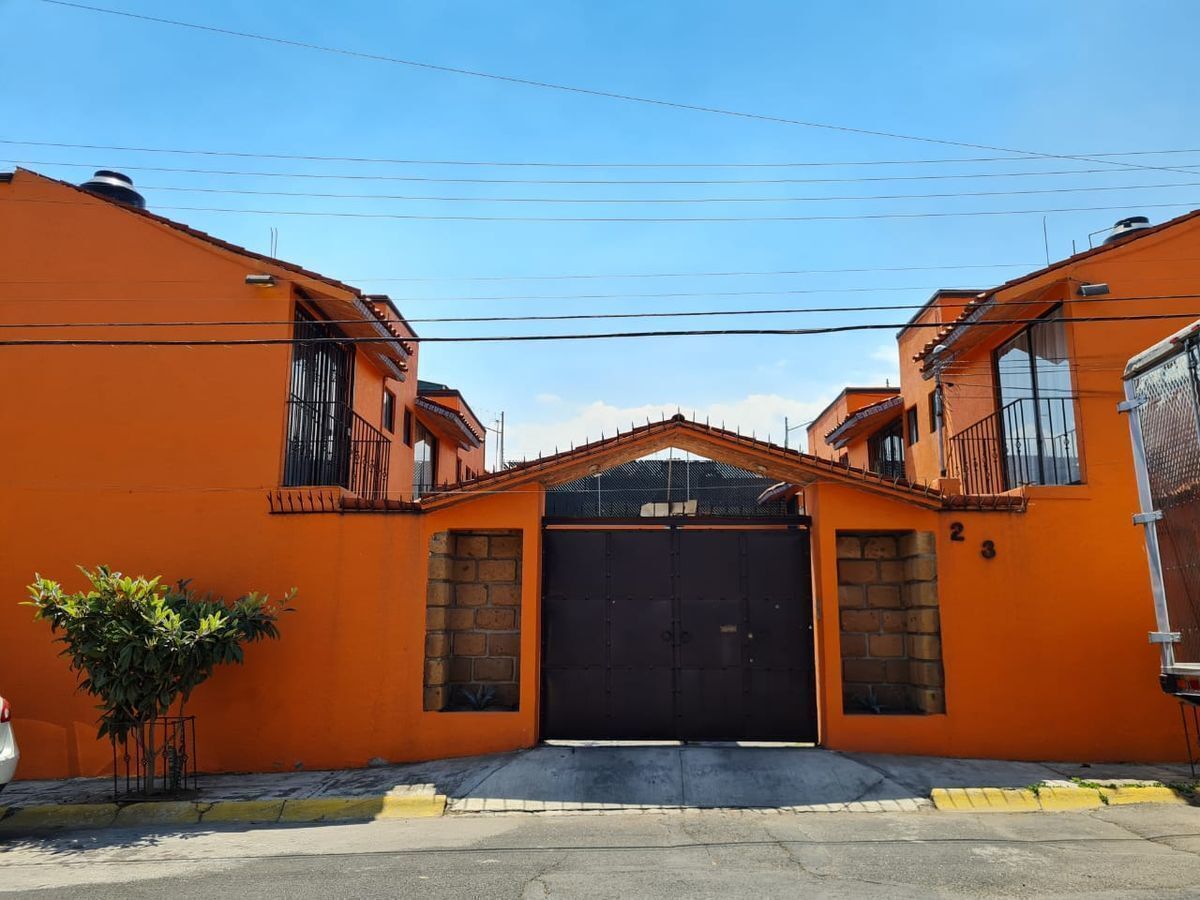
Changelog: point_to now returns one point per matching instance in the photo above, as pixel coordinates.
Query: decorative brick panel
(890, 627)
(473, 621)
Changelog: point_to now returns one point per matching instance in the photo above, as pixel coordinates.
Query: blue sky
(1073, 78)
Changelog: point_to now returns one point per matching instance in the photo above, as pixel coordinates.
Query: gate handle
(666, 635)
(685, 637)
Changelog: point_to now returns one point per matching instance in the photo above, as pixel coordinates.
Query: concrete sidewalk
(604, 778)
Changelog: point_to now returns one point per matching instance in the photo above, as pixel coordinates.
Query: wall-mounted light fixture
(1092, 290)
(260, 280)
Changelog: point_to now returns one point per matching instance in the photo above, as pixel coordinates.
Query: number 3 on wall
(987, 549)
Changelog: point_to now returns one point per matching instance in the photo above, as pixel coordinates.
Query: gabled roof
(847, 391)
(747, 453)
(453, 420)
(367, 306)
(862, 420)
(974, 309)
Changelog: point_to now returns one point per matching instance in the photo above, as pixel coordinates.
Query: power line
(423, 179)
(633, 219)
(949, 367)
(666, 200)
(594, 92)
(732, 332)
(589, 276)
(571, 165)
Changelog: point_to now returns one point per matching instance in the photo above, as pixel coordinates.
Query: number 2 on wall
(956, 531)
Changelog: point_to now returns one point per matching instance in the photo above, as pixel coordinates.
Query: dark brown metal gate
(685, 634)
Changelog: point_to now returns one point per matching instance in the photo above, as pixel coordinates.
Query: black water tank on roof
(115, 186)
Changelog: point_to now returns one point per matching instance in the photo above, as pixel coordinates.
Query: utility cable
(732, 332)
(631, 219)
(595, 316)
(425, 198)
(1186, 170)
(176, 151)
(594, 92)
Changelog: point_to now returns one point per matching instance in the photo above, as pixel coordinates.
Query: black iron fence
(1028, 441)
(156, 758)
(646, 487)
(330, 444)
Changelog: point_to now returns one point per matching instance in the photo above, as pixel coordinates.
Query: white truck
(1162, 399)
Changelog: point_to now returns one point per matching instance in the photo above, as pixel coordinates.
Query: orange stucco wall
(1044, 646)
(157, 460)
(844, 405)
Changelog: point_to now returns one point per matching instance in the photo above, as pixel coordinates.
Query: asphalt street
(1117, 852)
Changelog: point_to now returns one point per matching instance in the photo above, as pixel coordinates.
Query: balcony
(1032, 440)
(330, 444)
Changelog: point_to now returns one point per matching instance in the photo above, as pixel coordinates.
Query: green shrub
(140, 646)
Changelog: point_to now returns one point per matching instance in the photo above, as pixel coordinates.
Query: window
(389, 411)
(408, 423)
(319, 409)
(910, 421)
(424, 460)
(1037, 406)
(885, 451)
(934, 418)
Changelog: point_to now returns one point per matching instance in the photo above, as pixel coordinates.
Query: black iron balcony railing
(1029, 441)
(330, 444)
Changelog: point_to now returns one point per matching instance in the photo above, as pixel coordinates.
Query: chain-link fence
(1169, 421)
(660, 487)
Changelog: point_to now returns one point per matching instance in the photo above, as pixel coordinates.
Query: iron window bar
(1029, 441)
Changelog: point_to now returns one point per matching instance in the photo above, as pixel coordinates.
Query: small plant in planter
(139, 646)
(871, 702)
(480, 698)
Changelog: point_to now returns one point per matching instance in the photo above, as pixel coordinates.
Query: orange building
(840, 431)
(1000, 609)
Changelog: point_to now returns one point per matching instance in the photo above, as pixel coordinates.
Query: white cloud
(761, 414)
(548, 399)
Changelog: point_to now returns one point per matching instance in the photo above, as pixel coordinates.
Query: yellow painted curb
(412, 807)
(984, 799)
(1140, 793)
(59, 815)
(242, 811)
(331, 809)
(1064, 798)
(1049, 797)
(168, 812)
(335, 809)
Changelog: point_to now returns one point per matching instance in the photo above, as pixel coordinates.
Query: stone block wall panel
(473, 620)
(890, 629)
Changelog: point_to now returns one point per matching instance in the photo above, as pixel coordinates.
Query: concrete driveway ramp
(563, 778)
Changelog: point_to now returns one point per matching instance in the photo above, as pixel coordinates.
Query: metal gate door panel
(686, 634)
(639, 591)
(570, 701)
(711, 705)
(640, 704)
(778, 606)
(709, 585)
(575, 597)
(782, 707)
(640, 619)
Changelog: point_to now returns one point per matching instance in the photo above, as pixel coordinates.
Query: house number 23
(957, 533)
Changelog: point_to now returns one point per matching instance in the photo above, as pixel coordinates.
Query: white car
(9, 754)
